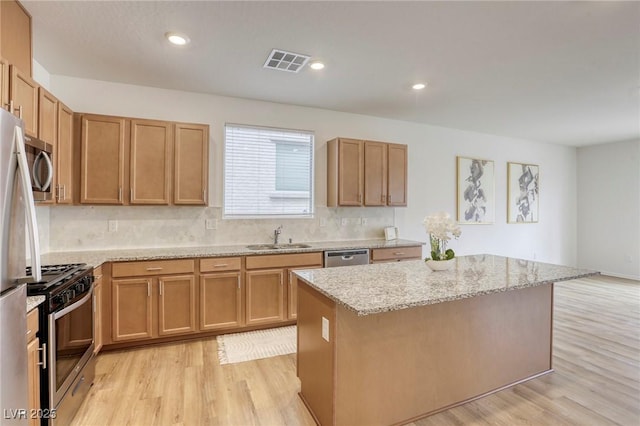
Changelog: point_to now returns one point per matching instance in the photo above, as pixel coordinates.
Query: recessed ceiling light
(316, 65)
(177, 38)
(418, 86)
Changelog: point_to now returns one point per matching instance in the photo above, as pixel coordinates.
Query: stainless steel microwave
(40, 160)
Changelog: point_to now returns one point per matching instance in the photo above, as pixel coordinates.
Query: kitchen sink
(277, 246)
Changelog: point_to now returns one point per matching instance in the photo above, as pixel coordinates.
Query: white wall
(609, 208)
(432, 157)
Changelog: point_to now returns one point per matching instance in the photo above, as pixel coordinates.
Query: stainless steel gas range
(66, 324)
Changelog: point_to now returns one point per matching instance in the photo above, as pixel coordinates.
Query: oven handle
(76, 305)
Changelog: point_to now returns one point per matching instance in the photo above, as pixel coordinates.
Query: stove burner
(53, 276)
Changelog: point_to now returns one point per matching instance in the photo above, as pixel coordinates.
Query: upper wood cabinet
(134, 161)
(366, 173)
(150, 164)
(15, 35)
(191, 164)
(23, 97)
(397, 175)
(375, 176)
(64, 157)
(4, 84)
(345, 166)
(102, 166)
(48, 132)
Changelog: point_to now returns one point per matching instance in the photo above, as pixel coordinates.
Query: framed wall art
(475, 191)
(523, 187)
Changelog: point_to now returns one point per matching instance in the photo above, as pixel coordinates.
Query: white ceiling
(558, 72)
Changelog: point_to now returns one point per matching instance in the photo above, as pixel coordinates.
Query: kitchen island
(390, 343)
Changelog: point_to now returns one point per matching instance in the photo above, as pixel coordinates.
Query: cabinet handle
(148, 288)
(389, 199)
(94, 303)
(221, 265)
(133, 197)
(97, 278)
(119, 193)
(158, 268)
(19, 111)
(383, 198)
(43, 349)
(238, 282)
(64, 193)
(360, 198)
(399, 253)
(161, 287)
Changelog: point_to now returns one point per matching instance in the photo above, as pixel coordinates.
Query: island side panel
(402, 365)
(316, 356)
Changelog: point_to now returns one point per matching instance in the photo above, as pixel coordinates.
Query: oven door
(39, 159)
(70, 345)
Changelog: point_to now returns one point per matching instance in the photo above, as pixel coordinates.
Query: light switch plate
(344, 221)
(325, 329)
(113, 225)
(211, 223)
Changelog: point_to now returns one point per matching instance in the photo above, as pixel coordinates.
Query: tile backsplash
(73, 228)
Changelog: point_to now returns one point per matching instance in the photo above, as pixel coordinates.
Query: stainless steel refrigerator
(17, 223)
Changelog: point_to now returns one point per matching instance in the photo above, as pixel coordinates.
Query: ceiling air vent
(286, 61)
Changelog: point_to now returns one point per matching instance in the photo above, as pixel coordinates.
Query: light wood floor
(596, 379)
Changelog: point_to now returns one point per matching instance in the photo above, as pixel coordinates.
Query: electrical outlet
(325, 329)
(211, 223)
(364, 221)
(359, 221)
(113, 225)
(323, 222)
(344, 221)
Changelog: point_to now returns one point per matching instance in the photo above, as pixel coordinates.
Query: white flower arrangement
(441, 227)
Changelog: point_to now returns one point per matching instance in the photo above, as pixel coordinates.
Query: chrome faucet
(276, 234)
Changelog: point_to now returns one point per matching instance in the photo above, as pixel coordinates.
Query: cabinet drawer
(152, 267)
(32, 324)
(396, 253)
(284, 260)
(215, 264)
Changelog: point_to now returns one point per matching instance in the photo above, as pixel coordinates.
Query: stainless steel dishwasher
(346, 257)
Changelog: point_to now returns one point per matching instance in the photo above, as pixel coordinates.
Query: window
(267, 172)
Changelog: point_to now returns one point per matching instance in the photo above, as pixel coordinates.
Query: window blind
(267, 172)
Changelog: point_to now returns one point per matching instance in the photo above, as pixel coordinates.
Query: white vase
(441, 265)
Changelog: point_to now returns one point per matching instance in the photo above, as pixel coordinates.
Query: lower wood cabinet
(176, 305)
(265, 296)
(153, 299)
(33, 365)
(163, 298)
(396, 254)
(221, 293)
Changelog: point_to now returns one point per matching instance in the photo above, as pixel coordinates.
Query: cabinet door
(220, 301)
(4, 84)
(33, 376)
(350, 165)
(24, 95)
(177, 305)
(150, 164)
(191, 164)
(375, 174)
(15, 35)
(48, 132)
(397, 175)
(265, 296)
(132, 312)
(292, 292)
(102, 163)
(64, 161)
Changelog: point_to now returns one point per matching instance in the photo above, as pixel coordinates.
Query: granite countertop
(33, 302)
(384, 287)
(98, 257)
